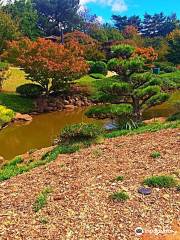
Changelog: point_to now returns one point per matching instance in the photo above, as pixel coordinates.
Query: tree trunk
(137, 113)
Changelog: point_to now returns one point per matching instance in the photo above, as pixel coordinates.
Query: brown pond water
(20, 138)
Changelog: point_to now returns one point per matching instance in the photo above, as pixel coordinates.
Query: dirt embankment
(79, 206)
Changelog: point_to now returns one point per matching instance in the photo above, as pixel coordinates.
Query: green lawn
(16, 103)
(15, 79)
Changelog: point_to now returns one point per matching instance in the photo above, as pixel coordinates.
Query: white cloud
(116, 5)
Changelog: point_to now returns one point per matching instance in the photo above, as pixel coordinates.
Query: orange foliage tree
(90, 47)
(148, 54)
(49, 64)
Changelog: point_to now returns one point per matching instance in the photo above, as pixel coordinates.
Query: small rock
(144, 191)
(166, 196)
(22, 117)
(69, 107)
(1, 159)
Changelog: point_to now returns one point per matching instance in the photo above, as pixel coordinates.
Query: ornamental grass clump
(81, 132)
(120, 196)
(161, 181)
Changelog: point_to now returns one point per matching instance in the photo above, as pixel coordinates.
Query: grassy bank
(17, 165)
(16, 78)
(16, 103)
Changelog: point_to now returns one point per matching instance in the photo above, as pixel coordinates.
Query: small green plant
(41, 199)
(119, 178)
(43, 220)
(97, 152)
(161, 181)
(178, 188)
(120, 196)
(155, 154)
(80, 132)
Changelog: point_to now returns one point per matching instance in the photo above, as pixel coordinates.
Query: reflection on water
(19, 138)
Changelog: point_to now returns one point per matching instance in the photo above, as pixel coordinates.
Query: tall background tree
(9, 30)
(157, 25)
(24, 13)
(173, 54)
(121, 22)
(52, 13)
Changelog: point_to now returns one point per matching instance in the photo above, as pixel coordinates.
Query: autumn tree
(90, 47)
(148, 54)
(49, 64)
(8, 29)
(131, 91)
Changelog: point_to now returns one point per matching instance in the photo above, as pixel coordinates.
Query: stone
(166, 196)
(49, 109)
(79, 103)
(52, 104)
(22, 117)
(144, 191)
(69, 107)
(1, 159)
(66, 102)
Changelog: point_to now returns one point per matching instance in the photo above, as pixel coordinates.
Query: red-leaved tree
(148, 54)
(49, 64)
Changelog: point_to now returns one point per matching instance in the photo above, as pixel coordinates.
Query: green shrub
(174, 117)
(97, 75)
(4, 66)
(108, 111)
(41, 200)
(80, 132)
(124, 50)
(6, 115)
(155, 154)
(99, 67)
(161, 181)
(119, 196)
(166, 67)
(29, 90)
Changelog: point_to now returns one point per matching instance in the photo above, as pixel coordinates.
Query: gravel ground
(80, 208)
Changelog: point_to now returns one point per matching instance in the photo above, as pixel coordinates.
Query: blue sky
(105, 8)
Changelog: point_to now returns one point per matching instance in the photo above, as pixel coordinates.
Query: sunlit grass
(15, 79)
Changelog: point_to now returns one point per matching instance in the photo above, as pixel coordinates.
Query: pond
(20, 138)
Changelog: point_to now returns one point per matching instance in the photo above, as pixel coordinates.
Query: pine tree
(131, 91)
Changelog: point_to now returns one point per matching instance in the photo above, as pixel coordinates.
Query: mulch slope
(79, 206)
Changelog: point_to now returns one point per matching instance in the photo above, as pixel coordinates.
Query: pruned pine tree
(129, 93)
